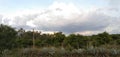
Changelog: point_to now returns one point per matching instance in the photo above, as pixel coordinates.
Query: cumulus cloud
(115, 3)
(67, 18)
(1, 19)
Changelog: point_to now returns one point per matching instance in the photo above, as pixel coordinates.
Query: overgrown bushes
(18, 43)
(62, 52)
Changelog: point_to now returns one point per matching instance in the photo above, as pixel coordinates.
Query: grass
(61, 52)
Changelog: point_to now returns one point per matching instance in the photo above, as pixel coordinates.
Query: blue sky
(13, 5)
(69, 16)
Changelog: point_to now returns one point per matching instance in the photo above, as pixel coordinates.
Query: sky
(69, 16)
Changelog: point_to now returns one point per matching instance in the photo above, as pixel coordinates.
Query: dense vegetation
(13, 40)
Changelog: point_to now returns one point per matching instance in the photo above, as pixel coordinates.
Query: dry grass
(61, 52)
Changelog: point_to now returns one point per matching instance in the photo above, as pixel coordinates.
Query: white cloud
(1, 19)
(115, 3)
(65, 17)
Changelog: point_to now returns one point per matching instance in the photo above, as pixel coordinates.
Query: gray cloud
(95, 22)
(50, 21)
(1, 17)
(115, 3)
(68, 19)
(92, 21)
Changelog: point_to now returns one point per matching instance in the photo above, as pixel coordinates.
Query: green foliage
(101, 39)
(73, 44)
(116, 39)
(58, 39)
(7, 37)
(76, 41)
(105, 37)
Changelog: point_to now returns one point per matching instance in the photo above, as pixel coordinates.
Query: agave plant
(61, 50)
(52, 50)
(44, 50)
(114, 52)
(80, 50)
(74, 51)
(29, 52)
(102, 50)
(5, 53)
(91, 50)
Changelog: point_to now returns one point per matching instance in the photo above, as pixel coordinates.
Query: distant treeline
(10, 38)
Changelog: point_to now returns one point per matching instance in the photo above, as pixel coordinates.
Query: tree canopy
(10, 38)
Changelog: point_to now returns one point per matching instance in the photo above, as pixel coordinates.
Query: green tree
(101, 39)
(105, 37)
(25, 40)
(115, 38)
(58, 39)
(76, 41)
(7, 37)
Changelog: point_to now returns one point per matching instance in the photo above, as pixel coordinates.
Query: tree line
(11, 38)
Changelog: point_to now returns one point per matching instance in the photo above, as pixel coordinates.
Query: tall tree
(101, 39)
(7, 37)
